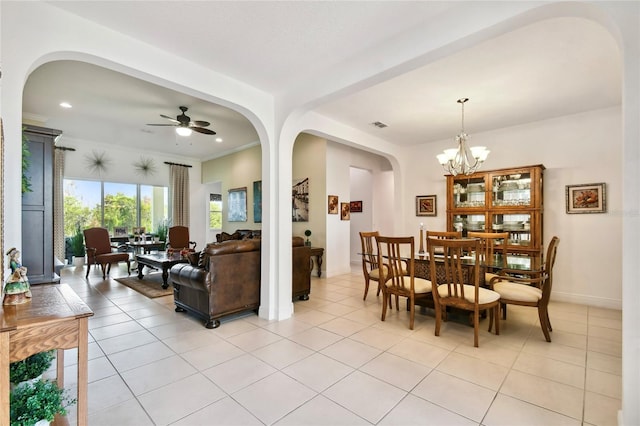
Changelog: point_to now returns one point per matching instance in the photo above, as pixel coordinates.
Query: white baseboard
(582, 299)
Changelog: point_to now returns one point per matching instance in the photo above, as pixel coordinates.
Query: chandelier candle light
(463, 160)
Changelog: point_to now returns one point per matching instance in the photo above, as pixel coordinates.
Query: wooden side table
(55, 318)
(317, 252)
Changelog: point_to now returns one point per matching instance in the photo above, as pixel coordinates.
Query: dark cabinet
(37, 207)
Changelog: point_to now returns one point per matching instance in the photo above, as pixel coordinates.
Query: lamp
(463, 160)
(183, 131)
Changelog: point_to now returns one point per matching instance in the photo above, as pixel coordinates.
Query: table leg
(165, 277)
(4, 379)
(83, 375)
(319, 263)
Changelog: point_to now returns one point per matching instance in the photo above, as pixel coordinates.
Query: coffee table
(159, 260)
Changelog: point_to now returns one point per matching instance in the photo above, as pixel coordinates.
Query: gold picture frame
(332, 204)
(426, 205)
(586, 198)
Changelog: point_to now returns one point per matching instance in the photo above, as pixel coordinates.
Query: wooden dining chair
(444, 234)
(370, 265)
(99, 251)
(491, 244)
(452, 290)
(529, 288)
(396, 253)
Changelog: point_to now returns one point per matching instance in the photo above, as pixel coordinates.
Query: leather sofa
(226, 278)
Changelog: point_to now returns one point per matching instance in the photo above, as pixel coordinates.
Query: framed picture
(238, 205)
(355, 207)
(426, 205)
(586, 198)
(257, 201)
(333, 204)
(138, 230)
(120, 231)
(300, 200)
(345, 213)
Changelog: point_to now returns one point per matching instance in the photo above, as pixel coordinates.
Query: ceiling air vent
(379, 124)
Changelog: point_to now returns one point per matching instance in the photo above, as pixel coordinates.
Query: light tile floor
(335, 363)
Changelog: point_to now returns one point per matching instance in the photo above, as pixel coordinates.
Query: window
(215, 211)
(113, 205)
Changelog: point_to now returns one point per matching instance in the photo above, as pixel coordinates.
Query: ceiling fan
(184, 125)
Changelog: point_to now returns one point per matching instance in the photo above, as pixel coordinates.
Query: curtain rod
(64, 148)
(176, 164)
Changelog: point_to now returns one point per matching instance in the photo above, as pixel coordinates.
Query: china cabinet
(498, 201)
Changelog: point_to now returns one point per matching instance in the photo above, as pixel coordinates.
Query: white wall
(582, 148)
(361, 181)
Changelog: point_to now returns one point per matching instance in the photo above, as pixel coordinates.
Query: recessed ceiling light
(218, 140)
(65, 104)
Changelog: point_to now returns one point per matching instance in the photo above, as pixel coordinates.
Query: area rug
(149, 285)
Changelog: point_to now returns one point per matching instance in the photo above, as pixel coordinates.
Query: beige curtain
(179, 195)
(58, 204)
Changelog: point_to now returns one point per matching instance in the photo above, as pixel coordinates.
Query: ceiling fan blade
(199, 123)
(169, 118)
(172, 125)
(201, 130)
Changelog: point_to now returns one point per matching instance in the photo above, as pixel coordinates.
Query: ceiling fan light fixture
(183, 131)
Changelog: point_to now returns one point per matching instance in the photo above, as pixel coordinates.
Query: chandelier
(463, 160)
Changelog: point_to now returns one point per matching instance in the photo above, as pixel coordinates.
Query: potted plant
(77, 247)
(162, 230)
(38, 403)
(307, 233)
(31, 367)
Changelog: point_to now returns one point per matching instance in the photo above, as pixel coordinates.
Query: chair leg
(496, 312)
(384, 305)
(542, 314)
(438, 317)
(476, 325)
(548, 320)
(504, 311)
(412, 314)
(366, 287)
(491, 313)
(103, 270)
(128, 267)
(88, 269)
(379, 288)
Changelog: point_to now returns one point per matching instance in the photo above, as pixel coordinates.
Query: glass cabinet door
(517, 224)
(511, 190)
(469, 222)
(469, 192)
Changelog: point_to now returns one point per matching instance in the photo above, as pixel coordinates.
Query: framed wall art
(426, 205)
(257, 201)
(355, 207)
(345, 213)
(300, 200)
(586, 198)
(333, 204)
(237, 205)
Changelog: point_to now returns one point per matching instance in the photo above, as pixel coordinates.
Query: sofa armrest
(187, 275)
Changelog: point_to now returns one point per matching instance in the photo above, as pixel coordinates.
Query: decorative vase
(43, 423)
(78, 260)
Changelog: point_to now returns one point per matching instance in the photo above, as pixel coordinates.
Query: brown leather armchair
(99, 251)
(179, 239)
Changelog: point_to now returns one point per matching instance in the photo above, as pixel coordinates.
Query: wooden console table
(55, 318)
(317, 252)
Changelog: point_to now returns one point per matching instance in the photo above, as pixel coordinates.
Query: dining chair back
(99, 251)
(529, 288)
(370, 265)
(444, 234)
(179, 239)
(454, 290)
(492, 244)
(397, 253)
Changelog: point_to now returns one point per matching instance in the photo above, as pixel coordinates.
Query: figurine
(17, 289)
